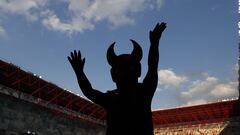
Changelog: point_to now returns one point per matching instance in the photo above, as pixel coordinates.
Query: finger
(70, 60)
(161, 25)
(72, 55)
(150, 32)
(157, 25)
(79, 54)
(83, 61)
(75, 53)
(164, 25)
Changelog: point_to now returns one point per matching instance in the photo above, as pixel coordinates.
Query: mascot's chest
(129, 101)
(126, 110)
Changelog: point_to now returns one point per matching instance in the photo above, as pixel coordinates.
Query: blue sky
(198, 50)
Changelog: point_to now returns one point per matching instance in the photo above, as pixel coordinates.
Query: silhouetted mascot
(129, 106)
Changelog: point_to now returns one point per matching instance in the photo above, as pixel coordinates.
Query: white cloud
(236, 68)
(168, 78)
(192, 90)
(198, 88)
(2, 32)
(160, 3)
(117, 12)
(208, 89)
(196, 102)
(28, 8)
(86, 13)
(51, 21)
(81, 14)
(224, 90)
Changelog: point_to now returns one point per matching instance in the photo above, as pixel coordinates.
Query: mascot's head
(126, 68)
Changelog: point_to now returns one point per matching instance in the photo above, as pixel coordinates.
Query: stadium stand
(218, 118)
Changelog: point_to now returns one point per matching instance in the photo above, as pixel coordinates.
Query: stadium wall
(19, 115)
(228, 122)
(231, 127)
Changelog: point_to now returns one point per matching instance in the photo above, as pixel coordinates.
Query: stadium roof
(197, 114)
(14, 77)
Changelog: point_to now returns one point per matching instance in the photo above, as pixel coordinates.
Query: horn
(137, 50)
(111, 56)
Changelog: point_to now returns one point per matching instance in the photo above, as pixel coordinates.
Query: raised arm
(151, 79)
(77, 64)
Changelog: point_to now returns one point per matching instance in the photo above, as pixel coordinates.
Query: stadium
(31, 105)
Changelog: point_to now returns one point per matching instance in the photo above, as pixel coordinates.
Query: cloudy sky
(198, 51)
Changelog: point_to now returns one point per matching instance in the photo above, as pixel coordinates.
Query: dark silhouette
(129, 106)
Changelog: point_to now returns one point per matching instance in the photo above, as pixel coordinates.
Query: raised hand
(76, 61)
(156, 33)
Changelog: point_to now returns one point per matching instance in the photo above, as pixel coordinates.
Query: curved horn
(111, 56)
(137, 50)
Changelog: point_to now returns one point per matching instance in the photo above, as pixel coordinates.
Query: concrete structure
(19, 114)
(29, 103)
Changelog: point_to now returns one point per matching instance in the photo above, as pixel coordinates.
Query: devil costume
(128, 112)
(129, 106)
